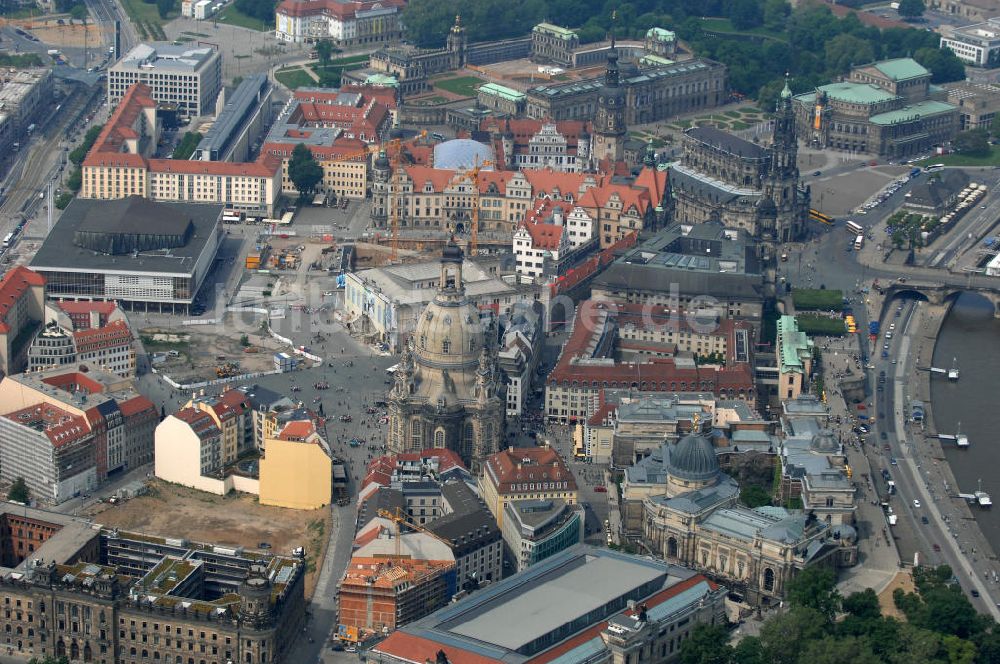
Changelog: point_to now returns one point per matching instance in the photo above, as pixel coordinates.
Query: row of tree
(821, 627)
(262, 10)
(770, 37)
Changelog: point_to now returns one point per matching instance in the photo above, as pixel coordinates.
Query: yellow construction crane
(472, 175)
(398, 517)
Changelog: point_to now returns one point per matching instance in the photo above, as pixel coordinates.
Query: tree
(706, 645)
(746, 14)
(75, 180)
(843, 51)
(776, 14)
(911, 8)
(78, 12)
(244, 341)
(863, 605)
(324, 49)
(79, 153)
(831, 650)
(944, 65)
(19, 491)
(755, 496)
(974, 142)
(303, 170)
(164, 7)
(815, 588)
(784, 636)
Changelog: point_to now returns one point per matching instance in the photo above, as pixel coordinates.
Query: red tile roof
(518, 465)
(341, 10)
(14, 285)
(136, 405)
(342, 149)
(61, 427)
(265, 167)
(655, 374)
(199, 421)
(74, 381)
(112, 335)
(543, 236)
(107, 149)
(298, 430)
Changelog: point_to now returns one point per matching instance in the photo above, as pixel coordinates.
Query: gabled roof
(13, 286)
(107, 149)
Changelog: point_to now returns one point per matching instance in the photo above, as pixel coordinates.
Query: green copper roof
(563, 33)
(502, 91)
(901, 69)
(654, 60)
(382, 80)
(856, 93)
(794, 347)
(912, 112)
(659, 34)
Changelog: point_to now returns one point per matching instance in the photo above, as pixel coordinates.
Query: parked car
(916, 503)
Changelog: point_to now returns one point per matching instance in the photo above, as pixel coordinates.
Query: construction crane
(472, 175)
(395, 194)
(398, 517)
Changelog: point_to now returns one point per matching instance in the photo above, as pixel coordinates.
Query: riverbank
(930, 456)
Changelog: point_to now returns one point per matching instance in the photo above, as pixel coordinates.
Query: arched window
(672, 547)
(439, 437)
(768, 579)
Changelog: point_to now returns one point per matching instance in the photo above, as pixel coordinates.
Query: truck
(873, 328)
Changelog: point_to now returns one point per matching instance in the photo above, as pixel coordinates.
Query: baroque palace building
(448, 391)
(746, 185)
(690, 517)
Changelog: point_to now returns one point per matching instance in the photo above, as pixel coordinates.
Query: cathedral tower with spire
(609, 121)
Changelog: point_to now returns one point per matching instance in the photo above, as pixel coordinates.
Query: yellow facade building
(296, 470)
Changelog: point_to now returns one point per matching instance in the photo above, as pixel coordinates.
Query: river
(972, 335)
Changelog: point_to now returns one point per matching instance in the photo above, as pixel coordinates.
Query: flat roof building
(579, 603)
(246, 114)
(682, 264)
(978, 44)
(188, 77)
(103, 250)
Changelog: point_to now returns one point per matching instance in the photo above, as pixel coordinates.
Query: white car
(916, 503)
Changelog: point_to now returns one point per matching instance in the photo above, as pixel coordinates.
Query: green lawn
(294, 78)
(725, 26)
(233, 16)
(143, 13)
(814, 324)
(462, 85)
(992, 159)
(816, 298)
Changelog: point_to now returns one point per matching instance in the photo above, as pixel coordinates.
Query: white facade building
(977, 44)
(346, 23)
(548, 149)
(190, 77)
(536, 241)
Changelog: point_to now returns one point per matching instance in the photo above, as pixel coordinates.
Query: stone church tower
(456, 43)
(781, 182)
(448, 390)
(609, 122)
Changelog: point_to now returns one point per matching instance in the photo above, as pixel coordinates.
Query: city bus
(859, 242)
(816, 215)
(854, 228)
(930, 168)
